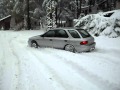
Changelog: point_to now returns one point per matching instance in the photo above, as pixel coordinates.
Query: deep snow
(26, 68)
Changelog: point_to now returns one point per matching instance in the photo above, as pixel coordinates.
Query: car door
(61, 39)
(46, 40)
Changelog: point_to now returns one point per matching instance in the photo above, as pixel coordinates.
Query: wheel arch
(71, 45)
(34, 41)
(66, 45)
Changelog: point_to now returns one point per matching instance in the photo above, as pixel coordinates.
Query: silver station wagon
(69, 39)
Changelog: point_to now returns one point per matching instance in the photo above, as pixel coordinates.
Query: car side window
(61, 34)
(74, 34)
(84, 33)
(50, 33)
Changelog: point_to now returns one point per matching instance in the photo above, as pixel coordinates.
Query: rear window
(84, 33)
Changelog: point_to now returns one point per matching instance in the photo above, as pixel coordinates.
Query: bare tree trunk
(28, 17)
(12, 22)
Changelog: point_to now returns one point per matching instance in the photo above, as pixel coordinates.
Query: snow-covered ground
(26, 68)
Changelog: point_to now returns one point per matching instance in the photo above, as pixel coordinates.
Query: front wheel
(70, 48)
(34, 44)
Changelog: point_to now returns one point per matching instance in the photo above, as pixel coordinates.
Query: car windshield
(84, 33)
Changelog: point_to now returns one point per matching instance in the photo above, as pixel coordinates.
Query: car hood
(35, 37)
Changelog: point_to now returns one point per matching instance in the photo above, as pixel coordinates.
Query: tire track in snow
(9, 72)
(35, 60)
(54, 77)
(23, 79)
(23, 63)
(17, 63)
(71, 72)
(32, 59)
(98, 81)
(104, 58)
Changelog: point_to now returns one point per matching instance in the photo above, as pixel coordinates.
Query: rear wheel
(34, 44)
(70, 48)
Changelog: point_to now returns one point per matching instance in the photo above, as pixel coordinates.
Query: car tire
(34, 44)
(70, 48)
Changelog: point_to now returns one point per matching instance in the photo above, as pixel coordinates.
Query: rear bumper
(84, 48)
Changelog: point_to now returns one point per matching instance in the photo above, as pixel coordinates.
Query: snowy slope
(103, 23)
(26, 68)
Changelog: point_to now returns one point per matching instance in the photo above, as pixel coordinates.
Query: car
(69, 39)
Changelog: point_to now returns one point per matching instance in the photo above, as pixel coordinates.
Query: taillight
(84, 42)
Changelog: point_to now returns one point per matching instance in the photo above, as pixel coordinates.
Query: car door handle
(65, 40)
(50, 39)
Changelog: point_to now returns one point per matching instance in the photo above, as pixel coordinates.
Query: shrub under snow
(102, 23)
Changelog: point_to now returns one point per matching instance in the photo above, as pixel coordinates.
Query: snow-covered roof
(5, 17)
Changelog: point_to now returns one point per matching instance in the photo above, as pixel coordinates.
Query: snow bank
(102, 23)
